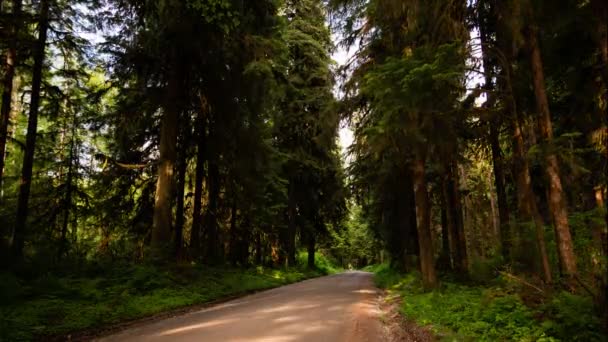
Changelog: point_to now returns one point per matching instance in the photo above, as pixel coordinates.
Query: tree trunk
(497, 159)
(234, 235)
(258, 249)
(181, 185)
(526, 198)
(195, 232)
(244, 241)
(423, 218)
(276, 254)
(557, 200)
(311, 250)
(458, 245)
(211, 226)
(32, 127)
(7, 83)
(601, 8)
(291, 225)
(163, 199)
(501, 193)
(445, 261)
(68, 194)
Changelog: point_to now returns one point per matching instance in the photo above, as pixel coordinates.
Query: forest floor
(58, 306)
(498, 310)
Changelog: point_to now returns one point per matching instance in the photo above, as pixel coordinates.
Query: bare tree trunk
(68, 193)
(311, 249)
(526, 198)
(211, 224)
(181, 185)
(497, 159)
(291, 226)
(258, 249)
(195, 242)
(234, 235)
(7, 83)
(427, 262)
(163, 198)
(244, 242)
(408, 231)
(458, 244)
(601, 8)
(557, 200)
(32, 127)
(501, 194)
(445, 261)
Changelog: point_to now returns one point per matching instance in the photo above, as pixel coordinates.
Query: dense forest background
(204, 132)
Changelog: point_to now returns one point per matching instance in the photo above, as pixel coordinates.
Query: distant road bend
(341, 307)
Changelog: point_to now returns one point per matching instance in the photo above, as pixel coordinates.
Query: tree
(32, 126)
(306, 127)
(557, 200)
(7, 80)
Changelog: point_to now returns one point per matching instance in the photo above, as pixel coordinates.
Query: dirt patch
(397, 327)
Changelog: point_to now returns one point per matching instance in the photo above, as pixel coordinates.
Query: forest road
(341, 307)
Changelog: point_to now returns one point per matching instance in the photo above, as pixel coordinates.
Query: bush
(322, 262)
(572, 318)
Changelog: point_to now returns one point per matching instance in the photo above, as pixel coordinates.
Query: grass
(55, 305)
(461, 312)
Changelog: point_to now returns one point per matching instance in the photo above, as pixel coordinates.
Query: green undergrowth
(496, 312)
(53, 305)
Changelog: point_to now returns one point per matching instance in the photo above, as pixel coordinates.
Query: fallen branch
(587, 288)
(522, 281)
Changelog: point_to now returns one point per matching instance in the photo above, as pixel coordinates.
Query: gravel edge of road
(398, 327)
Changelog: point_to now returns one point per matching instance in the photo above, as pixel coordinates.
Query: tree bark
(497, 159)
(408, 231)
(211, 227)
(557, 200)
(427, 262)
(501, 193)
(291, 225)
(311, 250)
(601, 8)
(32, 127)
(234, 235)
(163, 199)
(526, 199)
(195, 232)
(68, 194)
(458, 245)
(258, 249)
(7, 83)
(244, 241)
(181, 185)
(445, 260)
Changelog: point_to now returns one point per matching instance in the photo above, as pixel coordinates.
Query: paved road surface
(341, 307)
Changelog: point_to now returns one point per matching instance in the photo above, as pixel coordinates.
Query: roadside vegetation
(59, 303)
(501, 310)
